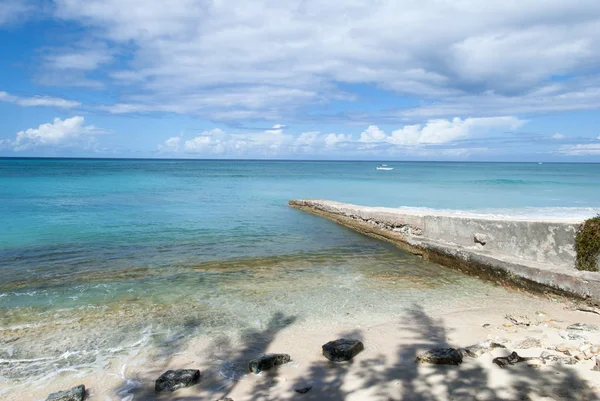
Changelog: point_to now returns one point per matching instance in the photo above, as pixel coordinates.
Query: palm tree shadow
(229, 362)
(396, 376)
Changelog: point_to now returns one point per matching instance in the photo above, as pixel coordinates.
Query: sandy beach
(385, 370)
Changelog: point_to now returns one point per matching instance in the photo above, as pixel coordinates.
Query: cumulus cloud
(558, 136)
(436, 137)
(580, 149)
(227, 61)
(441, 131)
(38, 101)
(171, 145)
(70, 132)
(14, 11)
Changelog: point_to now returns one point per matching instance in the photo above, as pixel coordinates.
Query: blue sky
(386, 80)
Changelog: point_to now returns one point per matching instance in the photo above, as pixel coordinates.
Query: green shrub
(587, 244)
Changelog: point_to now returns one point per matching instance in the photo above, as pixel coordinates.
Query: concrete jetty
(534, 254)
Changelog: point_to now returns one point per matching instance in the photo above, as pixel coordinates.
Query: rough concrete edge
(503, 273)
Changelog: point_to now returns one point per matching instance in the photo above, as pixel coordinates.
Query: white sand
(385, 370)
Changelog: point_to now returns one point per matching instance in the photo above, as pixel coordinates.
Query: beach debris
(268, 361)
(475, 351)
(441, 356)
(74, 394)
(342, 350)
(512, 359)
(566, 360)
(584, 308)
(583, 327)
(570, 335)
(173, 380)
(518, 320)
(529, 342)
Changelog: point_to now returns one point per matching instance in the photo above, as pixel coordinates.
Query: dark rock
(225, 399)
(583, 327)
(173, 380)
(342, 350)
(75, 394)
(267, 362)
(441, 356)
(475, 351)
(303, 389)
(513, 359)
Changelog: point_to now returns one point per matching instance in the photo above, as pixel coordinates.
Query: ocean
(99, 258)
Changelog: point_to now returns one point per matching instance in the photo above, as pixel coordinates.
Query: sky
(467, 80)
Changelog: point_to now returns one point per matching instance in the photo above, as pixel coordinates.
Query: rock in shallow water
(342, 350)
(441, 356)
(173, 380)
(75, 394)
(268, 361)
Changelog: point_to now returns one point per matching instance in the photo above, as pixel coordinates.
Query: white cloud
(436, 137)
(70, 132)
(171, 145)
(38, 101)
(580, 149)
(440, 131)
(373, 134)
(14, 11)
(227, 60)
(558, 136)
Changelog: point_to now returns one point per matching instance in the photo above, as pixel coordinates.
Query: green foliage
(587, 244)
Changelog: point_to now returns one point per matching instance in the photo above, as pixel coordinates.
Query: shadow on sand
(392, 375)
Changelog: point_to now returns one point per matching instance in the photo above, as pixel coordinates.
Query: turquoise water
(214, 242)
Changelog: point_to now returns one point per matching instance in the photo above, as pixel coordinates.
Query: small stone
(475, 351)
(570, 335)
(486, 325)
(518, 320)
(583, 327)
(596, 367)
(567, 360)
(173, 380)
(342, 350)
(565, 349)
(303, 389)
(225, 399)
(529, 342)
(441, 356)
(74, 394)
(268, 361)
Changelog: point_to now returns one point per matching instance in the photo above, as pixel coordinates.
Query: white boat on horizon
(384, 167)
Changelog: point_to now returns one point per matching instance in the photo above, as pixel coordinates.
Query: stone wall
(539, 254)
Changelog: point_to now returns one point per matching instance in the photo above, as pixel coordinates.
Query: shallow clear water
(95, 252)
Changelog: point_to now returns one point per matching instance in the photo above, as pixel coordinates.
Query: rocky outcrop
(441, 356)
(76, 393)
(342, 350)
(268, 361)
(173, 380)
